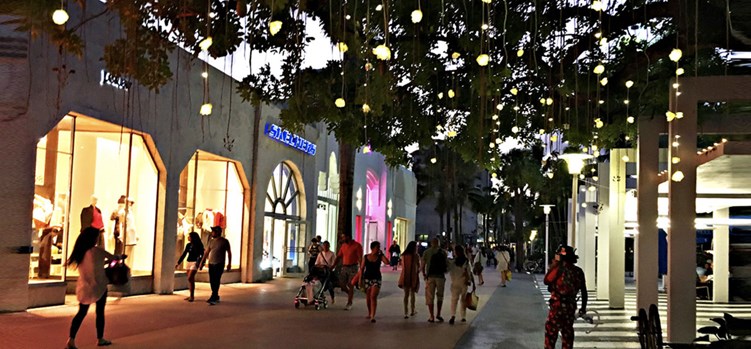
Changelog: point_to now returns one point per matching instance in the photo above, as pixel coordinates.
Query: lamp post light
(575, 163)
(546, 209)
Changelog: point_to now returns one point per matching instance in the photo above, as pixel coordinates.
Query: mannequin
(130, 230)
(117, 217)
(91, 216)
(50, 238)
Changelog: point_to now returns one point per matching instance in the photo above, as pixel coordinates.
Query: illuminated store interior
(284, 230)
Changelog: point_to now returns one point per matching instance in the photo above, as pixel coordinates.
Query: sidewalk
(263, 316)
(513, 318)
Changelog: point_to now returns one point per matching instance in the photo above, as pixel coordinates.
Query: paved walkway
(263, 316)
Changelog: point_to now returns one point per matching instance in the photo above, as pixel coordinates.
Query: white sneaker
(348, 307)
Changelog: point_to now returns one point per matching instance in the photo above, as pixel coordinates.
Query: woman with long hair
(460, 279)
(371, 275)
(409, 280)
(91, 286)
(194, 252)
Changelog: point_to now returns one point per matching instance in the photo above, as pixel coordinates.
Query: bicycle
(532, 266)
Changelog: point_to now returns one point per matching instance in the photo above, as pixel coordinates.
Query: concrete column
(586, 236)
(682, 215)
(164, 251)
(721, 260)
(603, 233)
(617, 243)
(570, 235)
(646, 245)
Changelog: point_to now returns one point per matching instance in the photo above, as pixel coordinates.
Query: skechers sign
(290, 139)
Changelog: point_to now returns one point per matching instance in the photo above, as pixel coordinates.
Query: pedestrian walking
(564, 280)
(218, 248)
(325, 261)
(194, 252)
(91, 286)
(434, 268)
(313, 251)
(460, 279)
(350, 255)
(370, 272)
(504, 264)
(394, 251)
(481, 259)
(409, 280)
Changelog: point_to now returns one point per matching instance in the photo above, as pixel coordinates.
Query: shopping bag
(118, 273)
(471, 300)
(508, 274)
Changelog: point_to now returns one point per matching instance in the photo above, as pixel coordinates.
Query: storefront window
(284, 233)
(211, 194)
(400, 232)
(108, 178)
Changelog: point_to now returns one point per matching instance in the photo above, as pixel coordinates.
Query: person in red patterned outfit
(564, 280)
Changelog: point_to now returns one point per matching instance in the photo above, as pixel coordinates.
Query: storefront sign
(116, 82)
(290, 139)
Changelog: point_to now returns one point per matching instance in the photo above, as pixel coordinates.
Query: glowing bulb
(495, 117)
(382, 52)
(416, 16)
(451, 94)
(625, 158)
(599, 123)
(679, 115)
(491, 145)
(599, 69)
(677, 176)
(514, 91)
(275, 27)
(542, 101)
(549, 101)
(487, 1)
(205, 75)
(494, 175)
(554, 138)
(455, 55)
(206, 43)
(340, 103)
(60, 17)
(379, 7)
(366, 149)
(603, 41)
(516, 108)
(670, 116)
(675, 160)
(451, 134)
(595, 178)
(676, 85)
(604, 81)
(432, 160)
(342, 47)
(630, 119)
(483, 59)
(499, 106)
(675, 55)
(484, 26)
(440, 95)
(584, 205)
(675, 144)
(520, 52)
(498, 141)
(597, 5)
(626, 102)
(627, 138)
(365, 108)
(515, 129)
(206, 109)
(542, 131)
(592, 188)
(680, 71)
(629, 84)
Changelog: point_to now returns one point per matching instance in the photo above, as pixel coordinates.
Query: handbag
(118, 273)
(471, 299)
(508, 274)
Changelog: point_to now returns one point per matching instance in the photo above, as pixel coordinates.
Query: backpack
(438, 263)
(566, 285)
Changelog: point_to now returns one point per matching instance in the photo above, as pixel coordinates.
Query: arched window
(282, 196)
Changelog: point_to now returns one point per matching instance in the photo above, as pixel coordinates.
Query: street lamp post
(575, 162)
(546, 210)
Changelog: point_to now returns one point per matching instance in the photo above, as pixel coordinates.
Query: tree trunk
(346, 174)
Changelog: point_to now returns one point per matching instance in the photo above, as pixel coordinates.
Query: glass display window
(284, 231)
(211, 194)
(102, 176)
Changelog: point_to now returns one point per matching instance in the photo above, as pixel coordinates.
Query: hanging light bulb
(630, 119)
(342, 47)
(205, 75)
(205, 109)
(675, 55)
(604, 81)
(515, 129)
(675, 160)
(542, 101)
(680, 71)
(520, 52)
(206, 43)
(483, 59)
(379, 7)
(603, 41)
(514, 91)
(340, 103)
(491, 145)
(487, 1)
(416, 16)
(670, 116)
(451, 134)
(554, 138)
(498, 140)
(365, 108)
(625, 158)
(599, 69)
(366, 149)
(542, 131)
(595, 178)
(275, 27)
(626, 102)
(629, 84)
(440, 95)
(516, 108)
(599, 123)
(60, 16)
(494, 117)
(677, 176)
(451, 93)
(679, 115)
(499, 106)
(455, 55)
(433, 160)
(592, 188)
(549, 101)
(597, 5)
(382, 52)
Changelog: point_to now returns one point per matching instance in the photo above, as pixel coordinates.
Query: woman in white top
(503, 264)
(481, 260)
(326, 259)
(91, 286)
(460, 279)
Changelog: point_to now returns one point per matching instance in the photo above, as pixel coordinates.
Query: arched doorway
(284, 231)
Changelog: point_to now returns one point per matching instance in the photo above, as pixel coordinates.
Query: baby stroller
(318, 279)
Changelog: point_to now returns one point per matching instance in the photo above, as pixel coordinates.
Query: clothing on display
(91, 216)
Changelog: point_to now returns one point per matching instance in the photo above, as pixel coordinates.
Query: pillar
(603, 233)
(164, 252)
(569, 235)
(682, 216)
(721, 260)
(586, 236)
(616, 242)
(646, 245)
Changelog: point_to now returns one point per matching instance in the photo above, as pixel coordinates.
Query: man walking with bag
(564, 280)
(434, 268)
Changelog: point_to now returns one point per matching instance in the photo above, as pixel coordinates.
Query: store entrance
(285, 237)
